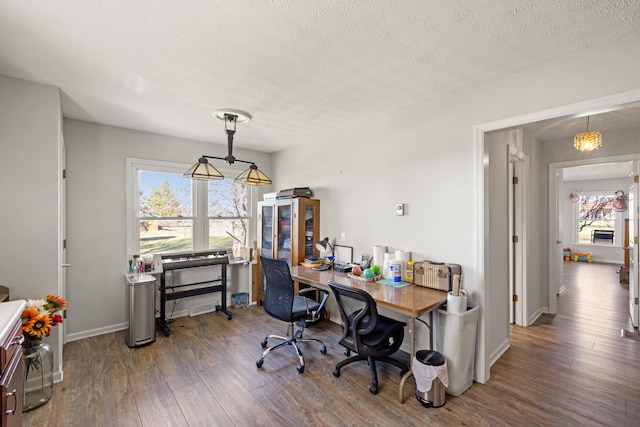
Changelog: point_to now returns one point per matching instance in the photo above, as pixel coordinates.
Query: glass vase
(38, 376)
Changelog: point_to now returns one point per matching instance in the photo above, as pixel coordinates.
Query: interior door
(517, 182)
(634, 216)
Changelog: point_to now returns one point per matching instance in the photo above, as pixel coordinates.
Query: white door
(518, 173)
(634, 278)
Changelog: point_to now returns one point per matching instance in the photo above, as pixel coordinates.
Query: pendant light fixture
(588, 141)
(203, 170)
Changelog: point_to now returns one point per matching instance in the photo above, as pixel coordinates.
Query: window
(597, 220)
(170, 213)
(228, 214)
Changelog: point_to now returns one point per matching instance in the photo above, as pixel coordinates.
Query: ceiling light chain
(205, 171)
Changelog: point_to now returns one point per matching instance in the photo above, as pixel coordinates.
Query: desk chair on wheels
(281, 302)
(372, 336)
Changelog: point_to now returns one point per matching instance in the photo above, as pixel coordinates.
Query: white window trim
(619, 221)
(199, 210)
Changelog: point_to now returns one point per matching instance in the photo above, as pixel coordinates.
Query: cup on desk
(457, 304)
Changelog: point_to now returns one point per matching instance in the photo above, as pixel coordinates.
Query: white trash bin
(455, 338)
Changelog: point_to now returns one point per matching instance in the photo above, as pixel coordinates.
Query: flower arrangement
(38, 317)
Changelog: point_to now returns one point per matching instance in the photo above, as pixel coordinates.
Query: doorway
(493, 327)
(591, 176)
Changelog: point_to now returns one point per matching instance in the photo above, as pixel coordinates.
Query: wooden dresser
(11, 363)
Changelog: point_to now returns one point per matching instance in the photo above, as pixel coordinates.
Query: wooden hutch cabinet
(287, 228)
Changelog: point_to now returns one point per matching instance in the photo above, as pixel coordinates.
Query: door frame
(555, 258)
(634, 259)
(484, 355)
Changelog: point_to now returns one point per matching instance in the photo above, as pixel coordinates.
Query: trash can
(455, 338)
(141, 310)
(431, 374)
(240, 299)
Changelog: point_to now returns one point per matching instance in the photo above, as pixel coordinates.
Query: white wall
(96, 218)
(29, 129)
(426, 156)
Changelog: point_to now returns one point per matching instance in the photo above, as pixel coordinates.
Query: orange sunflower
(29, 315)
(39, 327)
(55, 303)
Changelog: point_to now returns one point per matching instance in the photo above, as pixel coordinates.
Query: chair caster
(259, 363)
(323, 349)
(373, 389)
(300, 368)
(346, 352)
(264, 344)
(336, 372)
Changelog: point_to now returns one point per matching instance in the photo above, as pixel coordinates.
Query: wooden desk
(412, 301)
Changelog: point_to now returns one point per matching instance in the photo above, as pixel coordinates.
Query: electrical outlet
(400, 209)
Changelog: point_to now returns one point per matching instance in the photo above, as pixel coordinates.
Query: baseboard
(497, 354)
(95, 332)
(535, 316)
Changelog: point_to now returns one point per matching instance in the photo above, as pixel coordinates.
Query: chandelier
(203, 170)
(588, 140)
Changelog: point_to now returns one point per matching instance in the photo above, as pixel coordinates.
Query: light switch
(400, 209)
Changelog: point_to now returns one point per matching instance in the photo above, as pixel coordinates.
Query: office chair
(372, 336)
(281, 302)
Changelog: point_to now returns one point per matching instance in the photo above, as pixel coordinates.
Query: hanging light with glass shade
(588, 140)
(203, 170)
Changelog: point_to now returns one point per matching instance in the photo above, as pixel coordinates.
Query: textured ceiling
(299, 68)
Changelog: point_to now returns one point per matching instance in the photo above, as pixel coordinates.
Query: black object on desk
(181, 260)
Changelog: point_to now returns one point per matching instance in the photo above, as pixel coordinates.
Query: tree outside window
(595, 212)
(228, 214)
(165, 214)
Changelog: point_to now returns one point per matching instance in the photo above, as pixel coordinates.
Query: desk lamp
(324, 246)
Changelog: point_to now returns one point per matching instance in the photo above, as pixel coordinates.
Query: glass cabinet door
(284, 231)
(309, 238)
(266, 227)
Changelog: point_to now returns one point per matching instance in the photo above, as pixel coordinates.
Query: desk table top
(410, 300)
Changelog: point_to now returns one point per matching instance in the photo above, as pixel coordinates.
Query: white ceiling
(598, 171)
(300, 68)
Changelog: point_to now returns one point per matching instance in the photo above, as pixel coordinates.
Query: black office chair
(364, 331)
(281, 302)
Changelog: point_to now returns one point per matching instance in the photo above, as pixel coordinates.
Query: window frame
(199, 203)
(618, 222)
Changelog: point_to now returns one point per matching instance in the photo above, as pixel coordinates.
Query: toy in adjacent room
(582, 257)
(566, 254)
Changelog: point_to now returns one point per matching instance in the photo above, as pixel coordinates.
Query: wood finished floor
(569, 369)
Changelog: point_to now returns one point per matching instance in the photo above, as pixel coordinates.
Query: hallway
(575, 365)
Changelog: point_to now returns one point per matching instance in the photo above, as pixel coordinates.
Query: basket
(240, 299)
